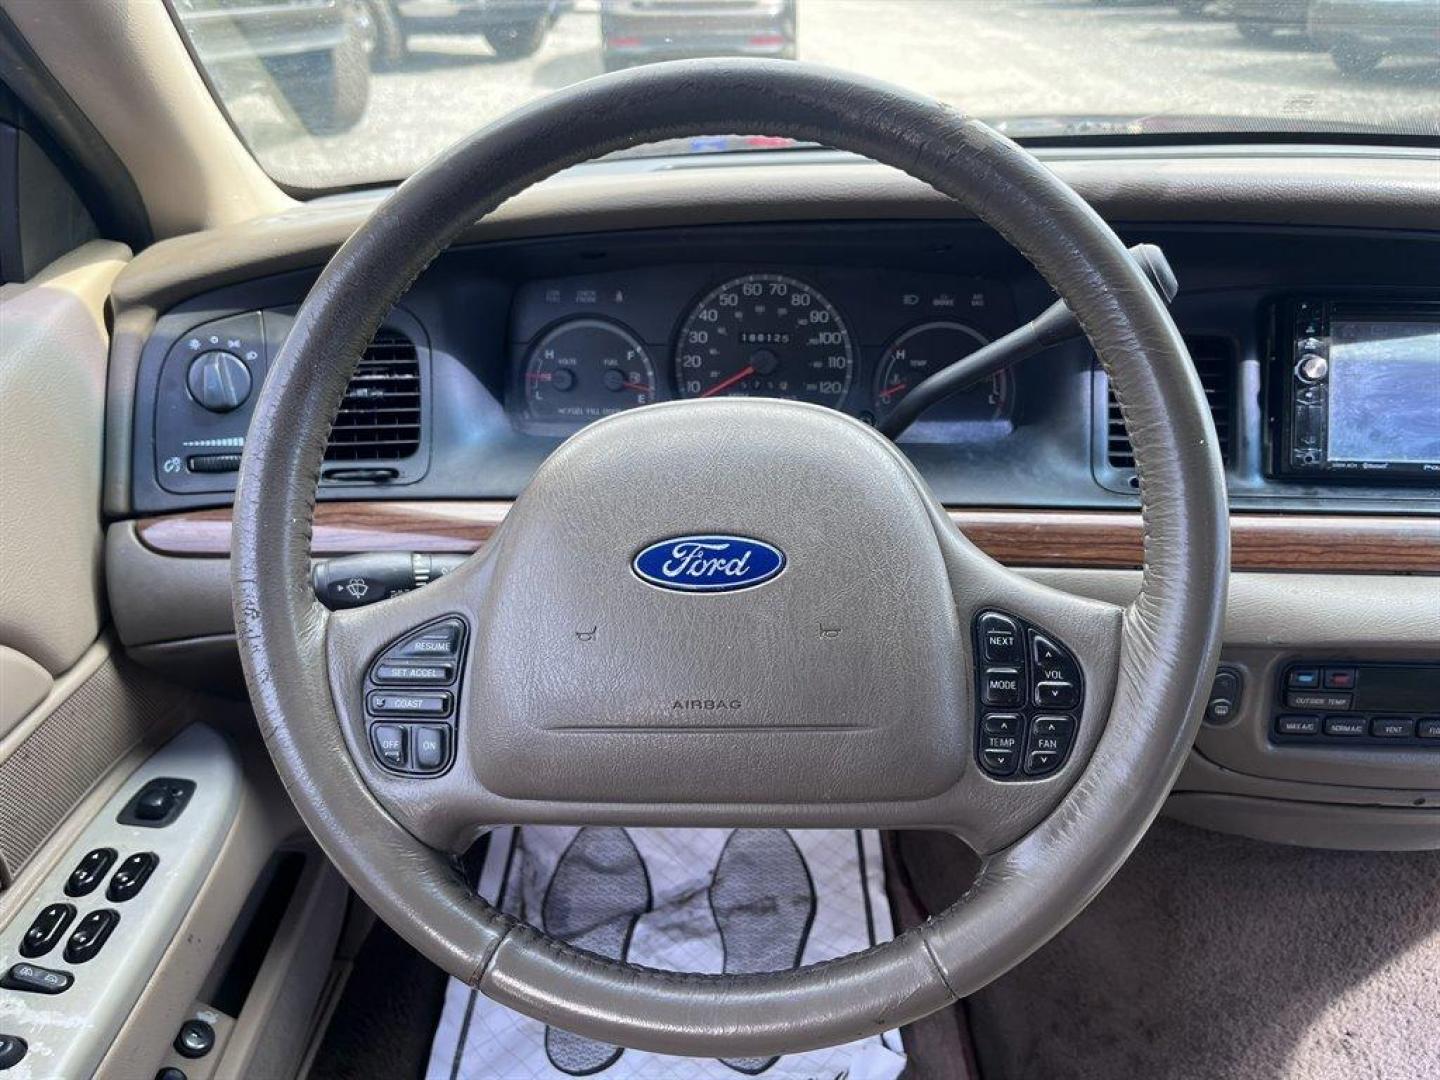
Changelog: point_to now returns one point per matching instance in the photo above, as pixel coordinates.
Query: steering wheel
(863, 678)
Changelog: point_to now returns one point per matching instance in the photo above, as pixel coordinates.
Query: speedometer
(765, 335)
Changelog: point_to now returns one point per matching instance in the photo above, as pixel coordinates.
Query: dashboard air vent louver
(1215, 363)
(379, 418)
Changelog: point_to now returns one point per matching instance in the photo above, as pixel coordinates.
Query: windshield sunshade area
(338, 93)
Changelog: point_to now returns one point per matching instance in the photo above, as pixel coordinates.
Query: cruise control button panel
(1030, 695)
(411, 691)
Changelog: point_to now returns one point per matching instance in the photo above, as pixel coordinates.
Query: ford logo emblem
(709, 563)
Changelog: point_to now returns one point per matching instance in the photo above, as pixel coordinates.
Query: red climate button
(1340, 678)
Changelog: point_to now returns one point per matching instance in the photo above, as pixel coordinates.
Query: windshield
(338, 93)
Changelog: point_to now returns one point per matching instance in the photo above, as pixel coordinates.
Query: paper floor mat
(704, 900)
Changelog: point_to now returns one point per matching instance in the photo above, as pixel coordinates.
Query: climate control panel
(1347, 704)
(1029, 696)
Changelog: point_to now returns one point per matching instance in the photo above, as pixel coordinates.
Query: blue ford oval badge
(709, 563)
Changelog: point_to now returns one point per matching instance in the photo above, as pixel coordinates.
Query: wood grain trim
(1090, 539)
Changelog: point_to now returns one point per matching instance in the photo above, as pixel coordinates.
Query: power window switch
(94, 930)
(47, 930)
(131, 876)
(90, 871)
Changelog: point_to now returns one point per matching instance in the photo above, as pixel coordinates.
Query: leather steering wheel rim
(1168, 638)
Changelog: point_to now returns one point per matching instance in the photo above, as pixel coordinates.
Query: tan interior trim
(1355, 191)
(52, 381)
(23, 685)
(1074, 538)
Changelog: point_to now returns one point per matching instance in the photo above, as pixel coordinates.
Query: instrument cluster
(856, 340)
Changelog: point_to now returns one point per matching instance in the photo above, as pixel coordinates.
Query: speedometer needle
(725, 384)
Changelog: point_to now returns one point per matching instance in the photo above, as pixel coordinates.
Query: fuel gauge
(583, 369)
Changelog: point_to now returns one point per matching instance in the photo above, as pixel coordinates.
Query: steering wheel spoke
(1043, 665)
(400, 671)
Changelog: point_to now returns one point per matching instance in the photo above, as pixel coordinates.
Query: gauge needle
(890, 391)
(725, 384)
(635, 386)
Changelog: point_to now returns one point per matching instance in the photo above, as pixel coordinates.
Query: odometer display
(765, 335)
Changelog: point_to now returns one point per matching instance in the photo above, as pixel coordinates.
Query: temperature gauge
(923, 350)
(583, 369)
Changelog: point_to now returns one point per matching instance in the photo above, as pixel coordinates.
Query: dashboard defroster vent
(1214, 360)
(379, 417)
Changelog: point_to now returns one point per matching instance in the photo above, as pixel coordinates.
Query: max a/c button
(1297, 725)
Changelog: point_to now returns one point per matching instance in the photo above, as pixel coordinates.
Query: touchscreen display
(1385, 391)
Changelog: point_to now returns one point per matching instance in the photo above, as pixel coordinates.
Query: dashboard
(1308, 299)
(500, 351)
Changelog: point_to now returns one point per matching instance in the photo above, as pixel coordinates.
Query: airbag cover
(838, 678)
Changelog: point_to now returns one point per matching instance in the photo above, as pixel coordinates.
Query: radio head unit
(1361, 387)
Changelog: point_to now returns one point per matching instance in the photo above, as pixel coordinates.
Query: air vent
(379, 418)
(1215, 363)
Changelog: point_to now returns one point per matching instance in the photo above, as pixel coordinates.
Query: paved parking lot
(994, 58)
